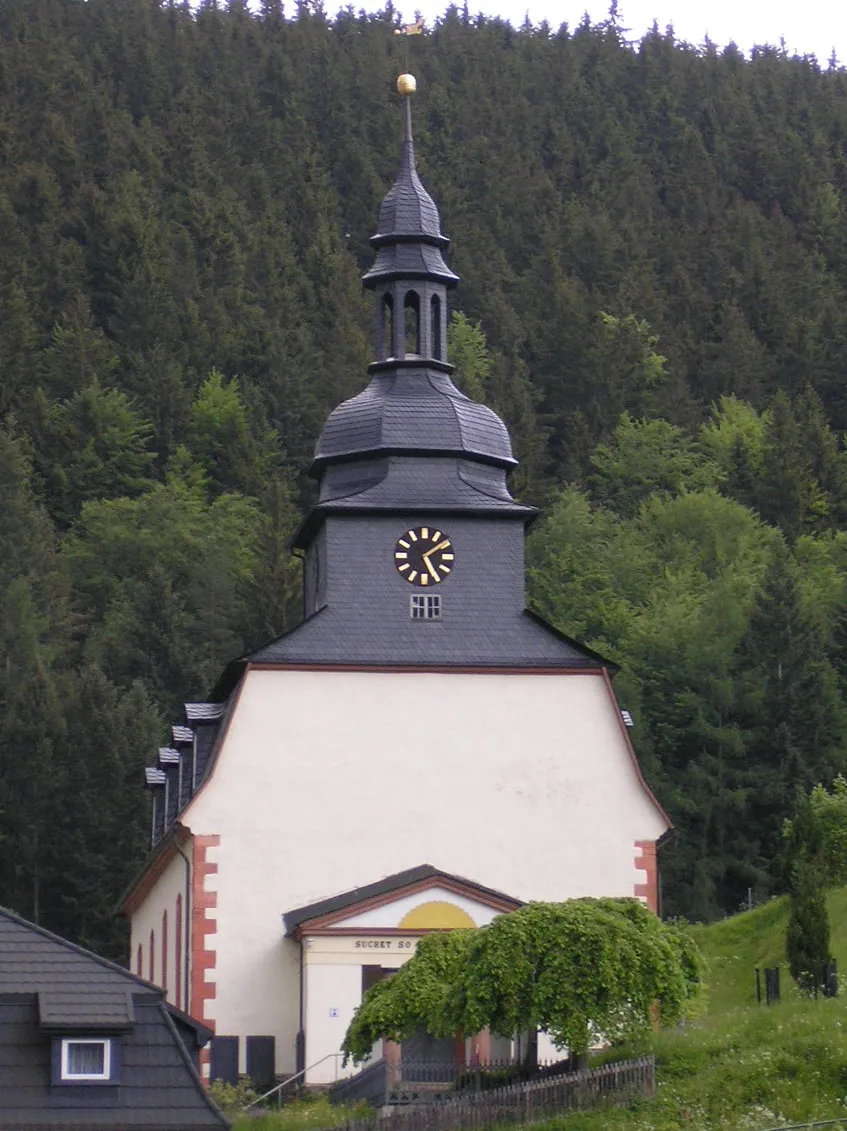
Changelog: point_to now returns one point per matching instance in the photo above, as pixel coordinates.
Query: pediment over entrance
(415, 901)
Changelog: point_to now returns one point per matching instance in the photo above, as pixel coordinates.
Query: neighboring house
(84, 1044)
(419, 735)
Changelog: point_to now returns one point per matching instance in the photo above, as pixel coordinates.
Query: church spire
(409, 276)
(411, 440)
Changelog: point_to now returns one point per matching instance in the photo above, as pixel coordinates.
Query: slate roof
(409, 238)
(414, 409)
(49, 988)
(292, 919)
(76, 1008)
(33, 960)
(408, 483)
(525, 640)
(203, 712)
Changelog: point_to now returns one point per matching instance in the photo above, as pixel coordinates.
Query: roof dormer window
(86, 1060)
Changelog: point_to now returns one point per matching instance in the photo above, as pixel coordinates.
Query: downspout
(301, 1051)
(186, 958)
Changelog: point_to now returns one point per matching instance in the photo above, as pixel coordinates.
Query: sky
(807, 26)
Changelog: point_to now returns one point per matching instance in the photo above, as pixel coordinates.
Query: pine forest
(652, 241)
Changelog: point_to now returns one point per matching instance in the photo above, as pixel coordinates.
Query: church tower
(420, 753)
(414, 550)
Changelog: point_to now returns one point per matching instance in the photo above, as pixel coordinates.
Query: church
(421, 753)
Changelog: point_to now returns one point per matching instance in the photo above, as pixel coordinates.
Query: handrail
(291, 1079)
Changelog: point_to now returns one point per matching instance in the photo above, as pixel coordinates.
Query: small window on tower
(435, 328)
(412, 323)
(425, 607)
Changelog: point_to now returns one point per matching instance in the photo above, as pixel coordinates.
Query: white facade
(326, 781)
(158, 936)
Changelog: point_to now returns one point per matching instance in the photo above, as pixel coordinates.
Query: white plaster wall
(327, 781)
(547, 1051)
(332, 994)
(148, 916)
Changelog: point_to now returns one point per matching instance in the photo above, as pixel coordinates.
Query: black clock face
(424, 556)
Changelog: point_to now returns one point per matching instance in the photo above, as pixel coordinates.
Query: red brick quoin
(646, 862)
(203, 955)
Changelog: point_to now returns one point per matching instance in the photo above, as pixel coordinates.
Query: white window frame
(425, 606)
(86, 1077)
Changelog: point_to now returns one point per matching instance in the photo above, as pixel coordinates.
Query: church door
(425, 1058)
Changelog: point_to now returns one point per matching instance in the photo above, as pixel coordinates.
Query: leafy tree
(807, 935)
(734, 437)
(627, 372)
(93, 446)
(810, 866)
(794, 713)
(34, 638)
(79, 354)
(106, 742)
(221, 439)
(787, 494)
(644, 458)
(576, 969)
(817, 832)
(161, 582)
(468, 352)
(419, 996)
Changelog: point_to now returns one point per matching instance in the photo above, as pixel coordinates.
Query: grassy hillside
(734, 947)
(741, 1065)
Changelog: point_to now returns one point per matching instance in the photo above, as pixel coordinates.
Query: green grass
(740, 1065)
(310, 1112)
(735, 946)
(752, 1069)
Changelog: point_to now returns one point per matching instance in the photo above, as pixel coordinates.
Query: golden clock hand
(441, 546)
(430, 567)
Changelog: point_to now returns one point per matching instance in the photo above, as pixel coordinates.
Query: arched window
(165, 952)
(412, 323)
(151, 970)
(435, 328)
(178, 953)
(139, 962)
(386, 329)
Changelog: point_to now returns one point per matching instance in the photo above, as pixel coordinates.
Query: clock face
(424, 556)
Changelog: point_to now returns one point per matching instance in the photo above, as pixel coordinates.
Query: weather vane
(417, 28)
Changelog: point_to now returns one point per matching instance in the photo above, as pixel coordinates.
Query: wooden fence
(522, 1103)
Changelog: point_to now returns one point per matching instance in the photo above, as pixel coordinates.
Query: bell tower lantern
(410, 278)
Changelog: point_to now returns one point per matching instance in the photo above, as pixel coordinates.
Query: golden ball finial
(406, 84)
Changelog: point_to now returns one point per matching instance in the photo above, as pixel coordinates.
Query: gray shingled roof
(203, 712)
(408, 483)
(33, 960)
(292, 919)
(48, 988)
(337, 635)
(417, 410)
(75, 1008)
(409, 240)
